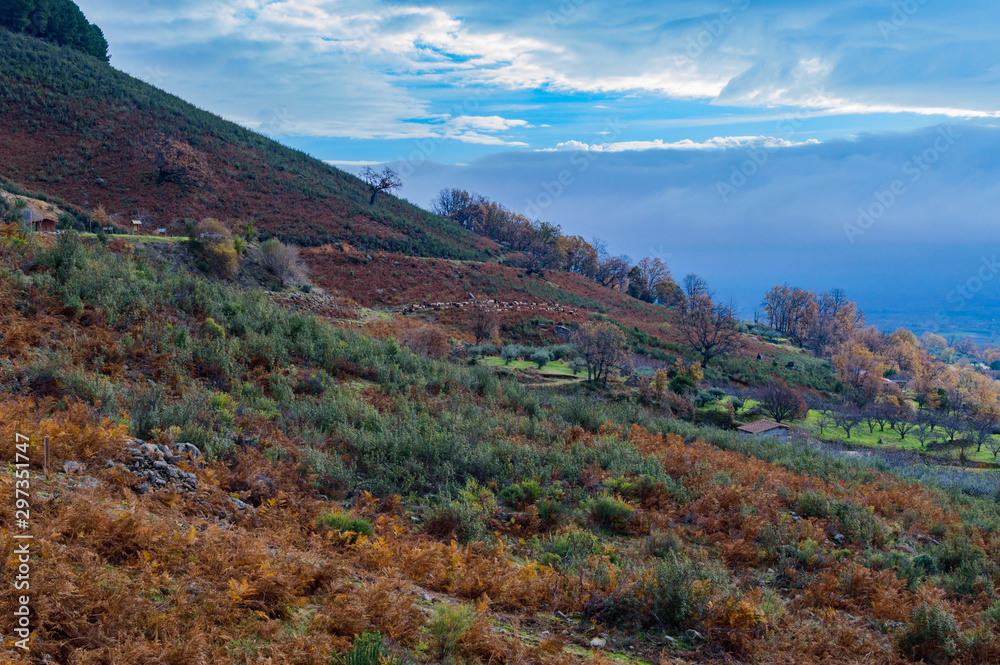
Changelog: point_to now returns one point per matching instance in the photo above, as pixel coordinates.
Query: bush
(215, 247)
(283, 261)
(660, 544)
(447, 626)
(611, 513)
(465, 518)
(341, 522)
(930, 635)
(521, 495)
(683, 384)
(677, 594)
(368, 649)
(571, 549)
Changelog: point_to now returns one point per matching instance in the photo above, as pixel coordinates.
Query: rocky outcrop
(157, 465)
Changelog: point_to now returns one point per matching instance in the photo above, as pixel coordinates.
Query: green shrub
(520, 495)
(813, 504)
(660, 544)
(930, 635)
(611, 513)
(569, 550)
(369, 649)
(682, 384)
(213, 330)
(447, 626)
(677, 594)
(341, 522)
(466, 517)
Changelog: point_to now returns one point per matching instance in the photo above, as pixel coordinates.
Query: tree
(710, 329)
(982, 424)
(922, 432)
(650, 280)
(780, 402)
(846, 418)
(603, 348)
(282, 260)
(385, 180)
(451, 203)
(934, 342)
(215, 245)
(903, 427)
(57, 21)
(993, 445)
(613, 271)
(484, 322)
(176, 161)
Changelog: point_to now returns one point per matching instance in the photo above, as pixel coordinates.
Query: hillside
(79, 130)
(254, 461)
(232, 482)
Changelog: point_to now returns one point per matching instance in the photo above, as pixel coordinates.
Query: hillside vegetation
(86, 133)
(347, 487)
(407, 438)
(57, 21)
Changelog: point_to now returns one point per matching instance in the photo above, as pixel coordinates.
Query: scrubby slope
(566, 525)
(82, 131)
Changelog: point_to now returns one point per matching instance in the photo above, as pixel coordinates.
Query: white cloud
(717, 143)
(492, 123)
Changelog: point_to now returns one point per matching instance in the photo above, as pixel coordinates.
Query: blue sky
(651, 107)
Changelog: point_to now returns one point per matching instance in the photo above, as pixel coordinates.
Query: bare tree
(385, 180)
(603, 348)
(922, 433)
(780, 402)
(983, 423)
(902, 427)
(993, 445)
(484, 321)
(282, 260)
(710, 329)
(847, 418)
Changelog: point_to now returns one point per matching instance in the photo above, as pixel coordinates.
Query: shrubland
(430, 511)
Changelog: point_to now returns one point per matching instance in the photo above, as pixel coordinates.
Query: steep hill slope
(83, 131)
(298, 486)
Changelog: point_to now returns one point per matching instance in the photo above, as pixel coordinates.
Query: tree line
(57, 21)
(545, 247)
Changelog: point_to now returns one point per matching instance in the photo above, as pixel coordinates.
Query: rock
(74, 467)
(239, 505)
(188, 449)
(598, 643)
(85, 484)
(142, 488)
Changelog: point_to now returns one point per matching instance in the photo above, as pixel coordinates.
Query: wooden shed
(44, 225)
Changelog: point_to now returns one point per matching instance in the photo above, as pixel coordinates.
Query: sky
(847, 144)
